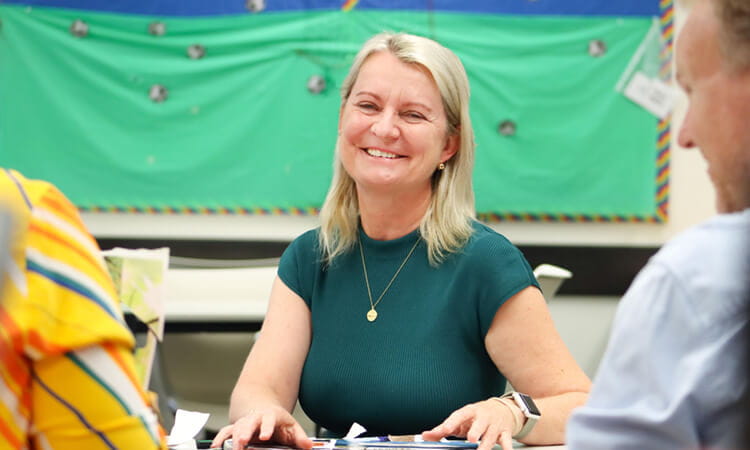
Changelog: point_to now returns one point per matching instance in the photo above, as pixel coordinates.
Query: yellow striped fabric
(67, 379)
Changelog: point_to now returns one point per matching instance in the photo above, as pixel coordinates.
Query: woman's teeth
(380, 154)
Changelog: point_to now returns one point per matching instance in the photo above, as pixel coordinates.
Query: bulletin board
(231, 107)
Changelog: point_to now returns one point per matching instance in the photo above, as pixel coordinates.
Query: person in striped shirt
(67, 376)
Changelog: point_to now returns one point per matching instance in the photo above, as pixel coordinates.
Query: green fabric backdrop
(239, 129)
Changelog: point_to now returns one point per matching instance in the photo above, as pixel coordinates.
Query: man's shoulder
(721, 242)
(709, 263)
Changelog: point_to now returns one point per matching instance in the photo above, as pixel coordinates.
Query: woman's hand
(273, 424)
(490, 422)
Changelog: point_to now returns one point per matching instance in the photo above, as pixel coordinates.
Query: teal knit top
(424, 355)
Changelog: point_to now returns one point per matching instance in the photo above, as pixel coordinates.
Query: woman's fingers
(506, 441)
(267, 426)
(274, 424)
(490, 437)
(299, 437)
(486, 422)
(436, 433)
(223, 434)
(478, 428)
(245, 429)
(454, 425)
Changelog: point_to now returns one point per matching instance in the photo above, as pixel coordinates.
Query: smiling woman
(394, 135)
(409, 97)
(376, 315)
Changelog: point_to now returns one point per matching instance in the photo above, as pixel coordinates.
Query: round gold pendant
(372, 315)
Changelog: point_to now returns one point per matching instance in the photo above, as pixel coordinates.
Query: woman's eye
(366, 105)
(414, 115)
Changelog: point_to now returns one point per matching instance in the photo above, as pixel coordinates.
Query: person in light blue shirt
(673, 375)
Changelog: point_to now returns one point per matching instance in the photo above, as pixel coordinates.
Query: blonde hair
(447, 224)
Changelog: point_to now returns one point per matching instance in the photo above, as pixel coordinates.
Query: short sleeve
(501, 271)
(299, 264)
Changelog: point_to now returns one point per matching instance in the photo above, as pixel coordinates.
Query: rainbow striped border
(663, 144)
(349, 5)
(566, 218)
(219, 210)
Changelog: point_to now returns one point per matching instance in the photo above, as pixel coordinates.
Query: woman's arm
(526, 348)
(266, 391)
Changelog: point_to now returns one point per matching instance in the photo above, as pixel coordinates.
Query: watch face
(530, 405)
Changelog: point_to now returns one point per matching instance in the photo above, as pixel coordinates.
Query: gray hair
(734, 19)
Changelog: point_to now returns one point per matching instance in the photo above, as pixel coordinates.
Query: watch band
(529, 410)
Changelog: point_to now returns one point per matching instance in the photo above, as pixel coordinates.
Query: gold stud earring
(441, 166)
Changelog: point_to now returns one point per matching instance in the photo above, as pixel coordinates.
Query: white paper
(651, 93)
(355, 431)
(187, 425)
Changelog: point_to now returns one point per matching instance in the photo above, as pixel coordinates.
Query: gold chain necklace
(372, 314)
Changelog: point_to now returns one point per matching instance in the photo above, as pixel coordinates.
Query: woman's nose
(384, 126)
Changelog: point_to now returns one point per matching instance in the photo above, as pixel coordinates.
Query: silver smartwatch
(529, 410)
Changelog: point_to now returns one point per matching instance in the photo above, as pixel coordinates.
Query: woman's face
(393, 129)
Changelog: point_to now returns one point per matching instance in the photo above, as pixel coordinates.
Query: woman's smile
(377, 153)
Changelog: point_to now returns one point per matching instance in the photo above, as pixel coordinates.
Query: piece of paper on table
(355, 430)
(187, 425)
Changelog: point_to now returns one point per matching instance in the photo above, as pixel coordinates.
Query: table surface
(401, 446)
(516, 445)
